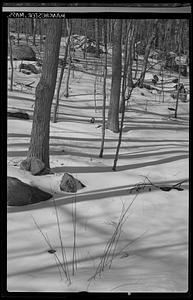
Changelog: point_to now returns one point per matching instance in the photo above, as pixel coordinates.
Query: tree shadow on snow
(126, 190)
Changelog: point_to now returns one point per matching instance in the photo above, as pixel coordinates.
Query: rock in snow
(34, 165)
(20, 193)
(70, 184)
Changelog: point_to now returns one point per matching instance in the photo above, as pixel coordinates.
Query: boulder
(26, 72)
(28, 67)
(34, 165)
(23, 52)
(20, 193)
(182, 96)
(70, 184)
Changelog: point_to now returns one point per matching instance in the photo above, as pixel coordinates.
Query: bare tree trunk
(113, 114)
(129, 40)
(39, 142)
(26, 31)
(11, 57)
(97, 37)
(147, 51)
(40, 33)
(85, 42)
(179, 72)
(162, 83)
(131, 54)
(34, 31)
(95, 86)
(104, 87)
(62, 72)
(66, 94)
(18, 29)
(123, 92)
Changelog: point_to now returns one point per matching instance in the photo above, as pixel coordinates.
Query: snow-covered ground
(152, 251)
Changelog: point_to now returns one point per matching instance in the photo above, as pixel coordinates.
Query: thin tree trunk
(95, 86)
(61, 73)
(147, 51)
(39, 142)
(113, 114)
(97, 37)
(131, 54)
(18, 29)
(123, 94)
(26, 31)
(11, 57)
(40, 33)
(85, 42)
(179, 72)
(162, 72)
(34, 31)
(104, 88)
(66, 94)
(129, 38)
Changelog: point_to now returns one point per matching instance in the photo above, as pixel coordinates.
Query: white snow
(155, 234)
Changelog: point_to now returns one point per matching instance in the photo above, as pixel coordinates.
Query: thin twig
(49, 244)
(61, 243)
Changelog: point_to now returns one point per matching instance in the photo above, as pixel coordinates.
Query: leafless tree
(104, 87)
(11, 56)
(113, 113)
(147, 51)
(62, 72)
(39, 142)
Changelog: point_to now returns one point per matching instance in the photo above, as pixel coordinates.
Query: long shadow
(65, 117)
(130, 127)
(74, 95)
(78, 100)
(86, 120)
(20, 98)
(94, 195)
(111, 156)
(81, 107)
(100, 169)
(153, 122)
(63, 145)
(105, 156)
(133, 140)
(145, 112)
(142, 252)
(26, 109)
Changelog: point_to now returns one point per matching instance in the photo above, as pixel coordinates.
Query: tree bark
(34, 31)
(18, 29)
(179, 73)
(128, 62)
(97, 37)
(123, 92)
(11, 57)
(147, 51)
(66, 94)
(104, 88)
(39, 142)
(40, 33)
(113, 114)
(61, 74)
